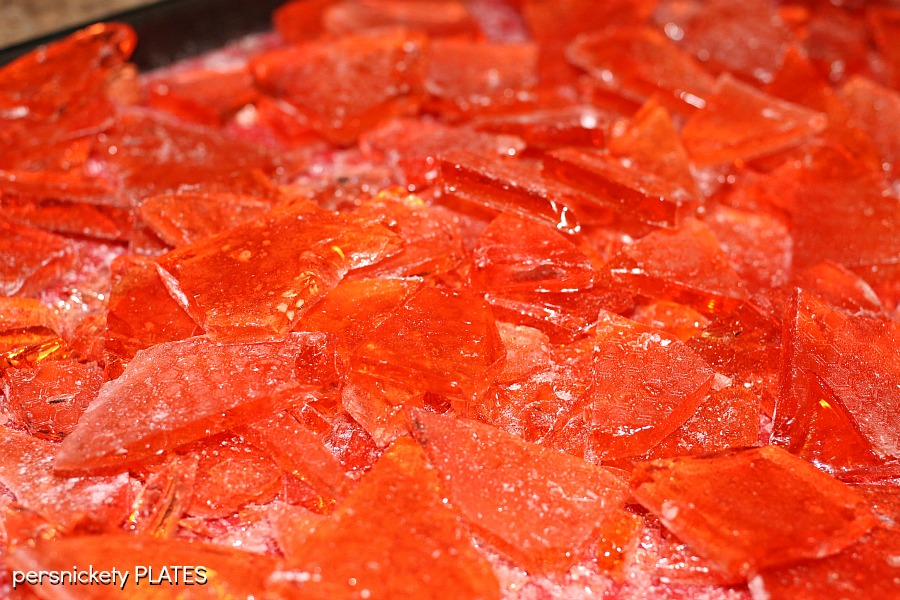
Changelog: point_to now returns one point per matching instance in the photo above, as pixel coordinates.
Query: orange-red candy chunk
(540, 506)
(747, 510)
(173, 393)
(394, 537)
(254, 281)
(182, 219)
(31, 259)
(437, 18)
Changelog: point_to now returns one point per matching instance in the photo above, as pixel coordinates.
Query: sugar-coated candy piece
(31, 259)
(439, 340)
(172, 394)
(867, 569)
(742, 123)
(437, 18)
(393, 537)
(747, 510)
(299, 452)
(540, 506)
(846, 364)
(355, 307)
(347, 85)
(141, 311)
(686, 265)
(639, 62)
(519, 254)
(27, 470)
(646, 383)
(254, 281)
(48, 399)
(181, 219)
(508, 185)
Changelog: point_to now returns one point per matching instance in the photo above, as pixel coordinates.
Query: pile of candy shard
(519, 299)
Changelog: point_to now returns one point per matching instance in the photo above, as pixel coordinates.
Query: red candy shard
(141, 311)
(172, 394)
(414, 146)
(638, 63)
(206, 97)
(681, 321)
(439, 340)
(354, 308)
(226, 572)
(742, 123)
(432, 241)
(31, 259)
(867, 569)
(747, 510)
(299, 452)
(840, 363)
(519, 254)
(466, 76)
(540, 506)
(610, 185)
(645, 384)
(26, 470)
(841, 288)
(230, 473)
(508, 185)
(182, 219)
(347, 85)
(548, 128)
(48, 399)
(393, 537)
(686, 265)
(298, 22)
(874, 109)
(251, 282)
(437, 18)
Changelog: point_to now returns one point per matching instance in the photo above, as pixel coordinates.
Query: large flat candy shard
(747, 510)
(31, 259)
(686, 265)
(255, 281)
(850, 361)
(181, 219)
(508, 185)
(26, 470)
(394, 537)
(178, 392)
(518, 254)
(349, 84)
(741, 123)
(646, 383)
(442, 341)
(540, 506)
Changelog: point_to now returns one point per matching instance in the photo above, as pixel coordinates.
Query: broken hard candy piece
(31, 259)
(393, 537)
(686, 265)
(437, 18)
(356, 306)
(414, 146)
(48, 399)
(26, 470)
(855, 363)
(646, 383)
(206, 97)
(150, 563)
(254, 281)
(638, 63)
(548, 128)
(173, 393)
(610, 184)
(299, 452)
(519, 254)
(230, 473)
(748, 510)
(540, 506)
(141, 311)
(741, 123)
(347, 85)
(439, 340)
(509, 185)
(182, 219)
(867, 569)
